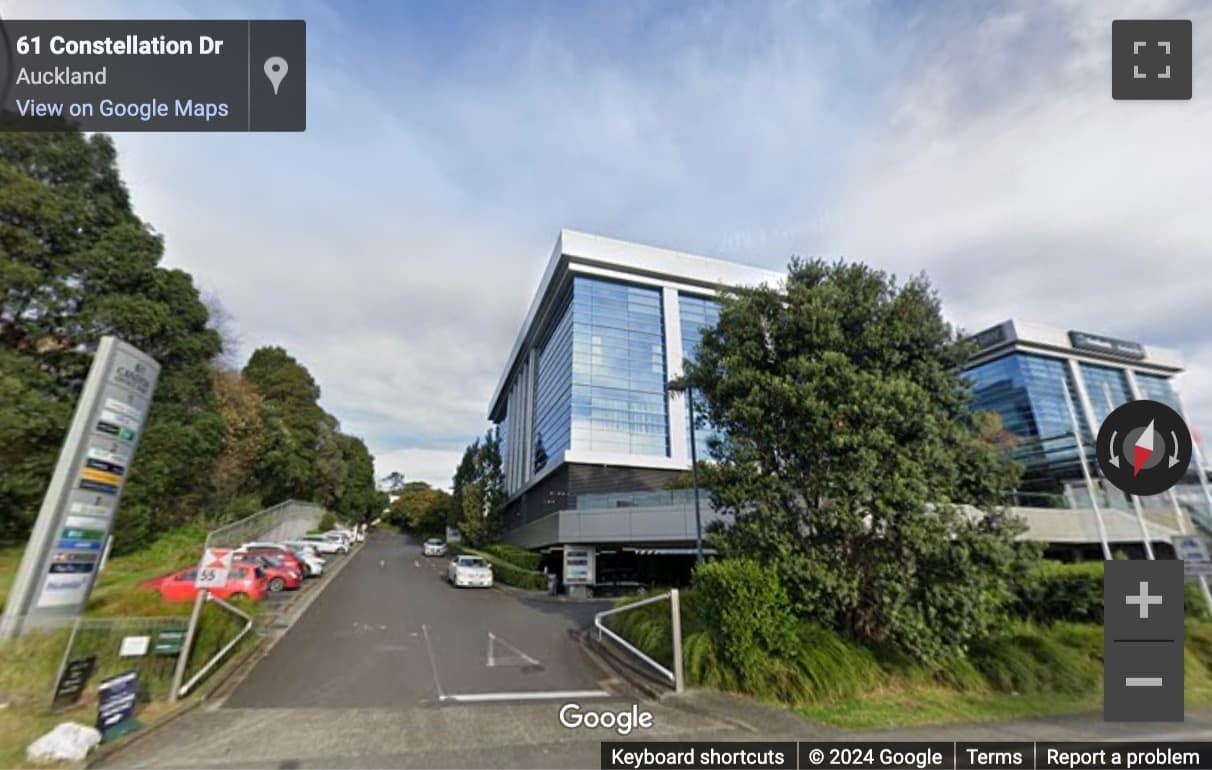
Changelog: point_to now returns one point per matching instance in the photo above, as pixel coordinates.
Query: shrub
(1062, 592)
(1055, 592)
(515, 555)
(745, 608)
(328, 521)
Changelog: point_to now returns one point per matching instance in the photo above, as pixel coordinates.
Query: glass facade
(552, 403)
(1158, 388)
(618, 369)
(697, 313)
(1107, 388)
(1028, 393)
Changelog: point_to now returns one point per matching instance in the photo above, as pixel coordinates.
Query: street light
(679, 385)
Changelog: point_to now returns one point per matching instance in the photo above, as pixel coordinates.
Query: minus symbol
(1142, 681)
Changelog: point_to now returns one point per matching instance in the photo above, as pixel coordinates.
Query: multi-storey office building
(1022, 372)
(591, 440)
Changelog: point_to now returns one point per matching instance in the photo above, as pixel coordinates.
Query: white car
(309, 555)
(435, 547)
(469, 571)
(325, 545)
(339, 535)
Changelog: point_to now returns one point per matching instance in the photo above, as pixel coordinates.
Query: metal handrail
(675, 679)
(218, 656)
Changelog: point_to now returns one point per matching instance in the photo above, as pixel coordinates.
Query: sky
(393, 247)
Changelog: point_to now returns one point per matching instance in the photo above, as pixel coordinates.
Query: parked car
(280, 552)
(619, 583)
(324, 544)
(278, 576)
(469, 571)
(243, 581)
(341, 536)
(434, 547)
(311, 559)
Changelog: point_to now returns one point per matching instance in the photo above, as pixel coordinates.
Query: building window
(1158, 388)
(618, 369)
(1028, 393)
(698, 314)
(1107, 388)
(552, 403)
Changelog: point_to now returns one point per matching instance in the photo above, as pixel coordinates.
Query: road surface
(392, 667)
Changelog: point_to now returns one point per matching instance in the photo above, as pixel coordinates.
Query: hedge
(1055, 592)
(509, 574)
(515, 555)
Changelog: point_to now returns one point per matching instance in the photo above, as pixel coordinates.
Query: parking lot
(390, 632)
(389, 666)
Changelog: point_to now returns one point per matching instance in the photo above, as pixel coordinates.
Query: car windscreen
(472, 561)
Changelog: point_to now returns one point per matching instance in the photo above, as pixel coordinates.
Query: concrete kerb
(226, 679)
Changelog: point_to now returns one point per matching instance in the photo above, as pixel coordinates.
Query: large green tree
(76, 264)
(846, 445)
(421, 509)
(358, 499)
(479, 491)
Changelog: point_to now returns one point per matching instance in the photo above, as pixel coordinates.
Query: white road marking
(482, 697)
(416, 563)
(381, 563)
(519, 658)
(432, 663)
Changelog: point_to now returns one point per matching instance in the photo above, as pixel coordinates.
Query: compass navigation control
(1144, 447)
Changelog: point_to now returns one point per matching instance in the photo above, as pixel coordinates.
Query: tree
(479, 491)
(393, 482)
(359, 500)
(846, 444)
(78, 264)
(420, 509)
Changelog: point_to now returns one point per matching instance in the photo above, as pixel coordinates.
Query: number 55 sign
(212, 572)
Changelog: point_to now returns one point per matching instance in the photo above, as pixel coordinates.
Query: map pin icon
(275, 70)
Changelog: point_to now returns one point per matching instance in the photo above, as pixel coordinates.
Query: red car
(244, 580)
(285, 555)
(278, 575)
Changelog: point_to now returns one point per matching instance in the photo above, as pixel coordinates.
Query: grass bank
(1029, 670)
(28, 666)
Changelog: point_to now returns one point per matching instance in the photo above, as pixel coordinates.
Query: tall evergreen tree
(846, 442)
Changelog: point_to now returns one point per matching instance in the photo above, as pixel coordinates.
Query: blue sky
(394, 246)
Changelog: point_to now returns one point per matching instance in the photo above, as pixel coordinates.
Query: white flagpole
(1081, 457)
(1136, 506)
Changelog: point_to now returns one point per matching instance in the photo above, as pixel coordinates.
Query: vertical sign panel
(58, 568)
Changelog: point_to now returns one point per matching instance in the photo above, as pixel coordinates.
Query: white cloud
(393, 248)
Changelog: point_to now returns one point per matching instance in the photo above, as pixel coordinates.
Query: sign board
(134, 646)
(72, 682)
(58, 570)
(169, 642)
(117, 697)
(212, 572)
(990, 337)
(1107, 345)
(579, 565)
(1194, 553)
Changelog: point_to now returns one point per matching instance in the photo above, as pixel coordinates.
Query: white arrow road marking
(381, 563)
(518, 658)
(416, 563)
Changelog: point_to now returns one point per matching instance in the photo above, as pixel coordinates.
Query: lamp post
(681, 386)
